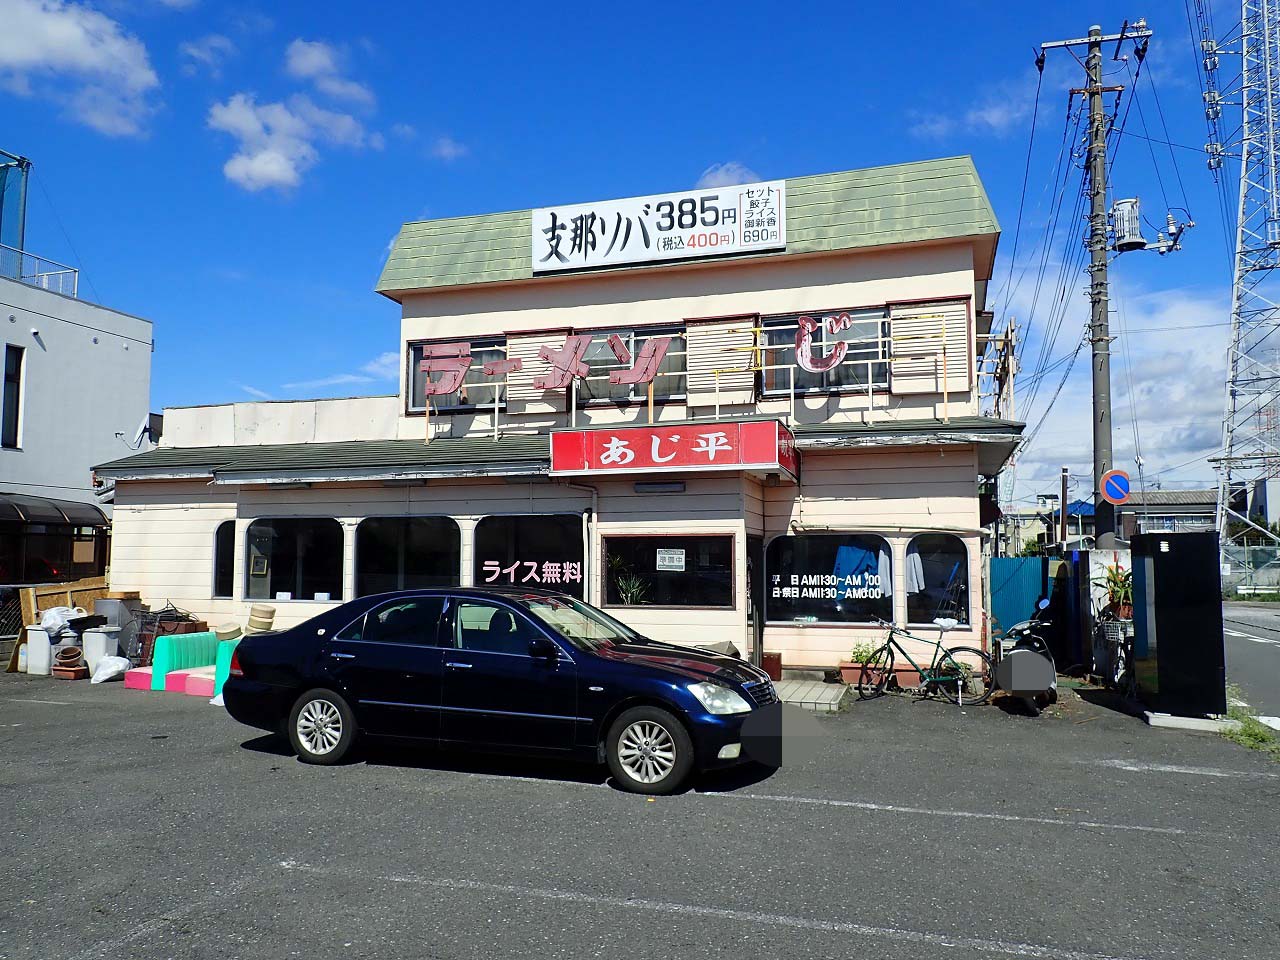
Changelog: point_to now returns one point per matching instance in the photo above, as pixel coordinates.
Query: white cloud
(446, 148)
(405, 131)
(209, 52)
(178, 4)
(321, 64)
(276, 141)
(336, 380)
(727, 174)
(80, 58)
(255, 392)
(385, 366)
(1002, 109)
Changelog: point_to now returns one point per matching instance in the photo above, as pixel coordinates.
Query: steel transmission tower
(1250, 452)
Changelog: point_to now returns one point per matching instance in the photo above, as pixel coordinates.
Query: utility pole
(1062, 509)
(1099, 324)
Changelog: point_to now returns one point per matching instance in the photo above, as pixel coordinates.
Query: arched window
(534, 550)
(294, 558)
(224, 558)
(406, 553)
(937, 578)
(829, 578)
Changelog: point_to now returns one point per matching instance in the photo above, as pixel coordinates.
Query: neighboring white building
(77, 386)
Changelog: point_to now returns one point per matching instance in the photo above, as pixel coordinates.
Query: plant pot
(907, 678)
(1124, 611)
(771, 663)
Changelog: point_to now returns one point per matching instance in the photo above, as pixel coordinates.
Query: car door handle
(343, 656)
(458, 666)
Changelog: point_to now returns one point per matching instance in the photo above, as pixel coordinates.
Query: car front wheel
(649, 751)
(321, 727)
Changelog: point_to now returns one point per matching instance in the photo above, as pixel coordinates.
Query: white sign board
(668, 226)
(670, 560)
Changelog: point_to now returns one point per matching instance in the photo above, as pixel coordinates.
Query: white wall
(282, 421)
(86, 377)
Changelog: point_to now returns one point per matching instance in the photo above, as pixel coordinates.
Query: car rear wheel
(649, 751)
(321, 727)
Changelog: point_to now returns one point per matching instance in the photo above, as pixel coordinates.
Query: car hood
(688, 662)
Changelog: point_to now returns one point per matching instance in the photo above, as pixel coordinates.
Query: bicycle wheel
(964, 675)
(877, 671)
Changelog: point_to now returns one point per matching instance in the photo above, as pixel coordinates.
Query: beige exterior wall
(164, 533)
(540, 312)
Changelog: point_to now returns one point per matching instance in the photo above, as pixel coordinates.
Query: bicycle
(957, 680)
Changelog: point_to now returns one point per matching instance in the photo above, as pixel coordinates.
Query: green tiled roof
(355, 455)
(904, 203)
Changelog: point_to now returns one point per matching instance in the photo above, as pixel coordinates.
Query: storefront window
(867, 339)
(668, 384)
(298, 558)
(937, 578)
(477, 390)
(532, 551)
(669, 571)
(829, 578)
(224, 558)
(406, 553)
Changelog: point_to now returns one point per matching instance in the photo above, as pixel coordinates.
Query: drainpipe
(592, 538)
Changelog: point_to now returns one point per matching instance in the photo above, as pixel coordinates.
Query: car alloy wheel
(647, 752)
(320, 727)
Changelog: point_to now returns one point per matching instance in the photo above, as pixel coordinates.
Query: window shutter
(723, 345)
(918, 331)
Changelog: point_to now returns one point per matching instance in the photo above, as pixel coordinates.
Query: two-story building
(76, 391)
(745, 414)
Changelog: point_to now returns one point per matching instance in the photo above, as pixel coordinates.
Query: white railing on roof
(38, 272)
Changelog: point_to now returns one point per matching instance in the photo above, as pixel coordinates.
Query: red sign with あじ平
(686, 447)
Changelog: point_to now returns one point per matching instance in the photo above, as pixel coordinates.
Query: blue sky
(235, 172)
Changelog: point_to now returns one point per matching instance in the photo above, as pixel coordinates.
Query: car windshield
(582, 625)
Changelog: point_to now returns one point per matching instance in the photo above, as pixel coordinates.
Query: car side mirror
(543, 648)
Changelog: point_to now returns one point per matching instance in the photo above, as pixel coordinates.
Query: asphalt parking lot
(153, 826)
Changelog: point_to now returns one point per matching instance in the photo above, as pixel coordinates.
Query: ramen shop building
(747, 414)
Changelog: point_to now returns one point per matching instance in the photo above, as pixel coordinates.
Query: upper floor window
(668, 382)
(849, 348)
(12, 398)
(477, 389)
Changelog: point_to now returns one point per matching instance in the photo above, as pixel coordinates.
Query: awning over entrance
(24, 508)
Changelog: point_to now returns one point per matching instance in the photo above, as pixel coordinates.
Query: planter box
(907, 678)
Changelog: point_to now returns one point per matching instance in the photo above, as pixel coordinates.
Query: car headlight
(719, 699)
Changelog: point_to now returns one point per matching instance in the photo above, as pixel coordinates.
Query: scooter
(1028, 670)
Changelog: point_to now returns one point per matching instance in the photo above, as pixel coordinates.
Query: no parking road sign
(1115, 486)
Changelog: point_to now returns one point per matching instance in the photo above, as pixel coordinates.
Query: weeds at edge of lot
(1249, 731)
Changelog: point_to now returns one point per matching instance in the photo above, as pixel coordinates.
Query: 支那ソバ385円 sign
(669, 226)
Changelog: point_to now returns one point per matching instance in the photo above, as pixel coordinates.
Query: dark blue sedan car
(507, 670)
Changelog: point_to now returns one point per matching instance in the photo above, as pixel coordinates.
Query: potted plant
(1118, 582)
(851, 670)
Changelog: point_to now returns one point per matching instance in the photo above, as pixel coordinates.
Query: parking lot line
(899, 934)
(958, 814)
(869, 806)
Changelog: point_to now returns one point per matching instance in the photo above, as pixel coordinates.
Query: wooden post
(651, 402)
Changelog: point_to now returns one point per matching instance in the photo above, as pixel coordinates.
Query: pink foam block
(139, 678)
(175, 681)
(200, 682)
